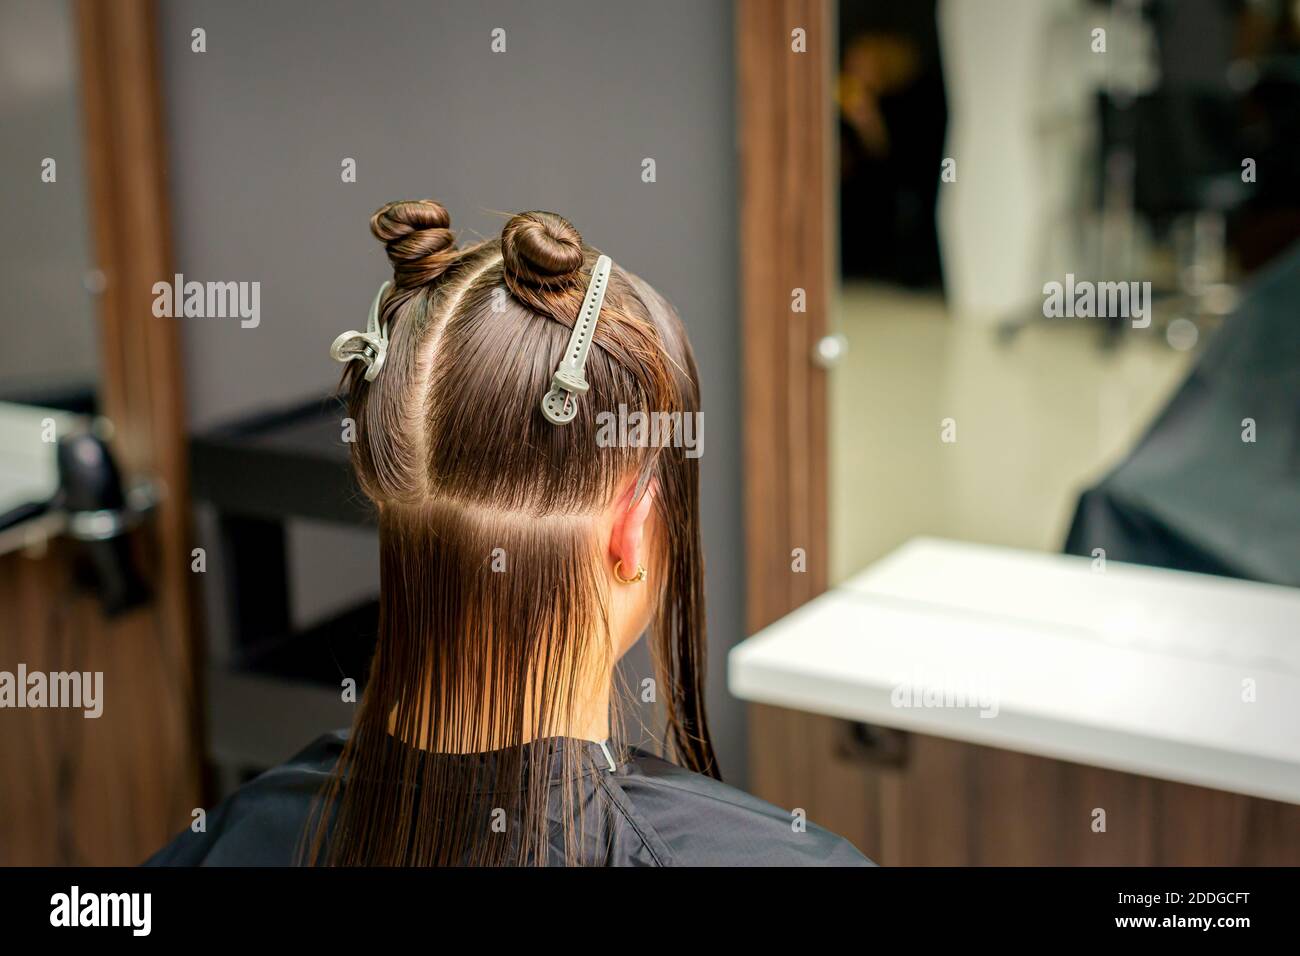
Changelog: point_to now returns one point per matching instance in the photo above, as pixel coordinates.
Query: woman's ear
(628, 531)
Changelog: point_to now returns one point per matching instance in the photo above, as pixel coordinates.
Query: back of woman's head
(494, 606)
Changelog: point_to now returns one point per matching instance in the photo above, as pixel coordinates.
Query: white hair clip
(560, 404)
(370, 346)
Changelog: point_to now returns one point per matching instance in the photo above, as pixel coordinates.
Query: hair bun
(417, 235)
(541, 249)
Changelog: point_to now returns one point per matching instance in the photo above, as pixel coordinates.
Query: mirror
(49, 365)
(1047, 210)
(47, 315)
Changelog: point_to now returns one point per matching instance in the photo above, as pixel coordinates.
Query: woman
(523, 551)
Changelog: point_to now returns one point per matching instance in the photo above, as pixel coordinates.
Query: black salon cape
(1192, 495)
(652, 813)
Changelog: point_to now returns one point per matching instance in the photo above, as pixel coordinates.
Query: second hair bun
(541, 249)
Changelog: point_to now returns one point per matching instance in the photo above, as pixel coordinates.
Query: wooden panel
(956, 804)
(90, 791)
(110, 790)
(785, 228)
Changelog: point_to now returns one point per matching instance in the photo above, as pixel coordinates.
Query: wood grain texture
(111, 790)
(73, 790)
(956, 804)
(785, 244)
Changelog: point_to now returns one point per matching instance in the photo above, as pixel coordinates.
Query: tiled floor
(1036, 421)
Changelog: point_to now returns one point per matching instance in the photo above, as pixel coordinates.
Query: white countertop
(29, 470)
(1132, 668)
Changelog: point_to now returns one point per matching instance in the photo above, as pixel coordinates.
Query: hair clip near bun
(370, 346)
(560, 404)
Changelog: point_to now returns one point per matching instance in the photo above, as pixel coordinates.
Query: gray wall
(47, 323)
(562, 120)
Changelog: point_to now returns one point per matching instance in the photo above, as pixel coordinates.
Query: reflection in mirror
(47, 319)
(1048, 214)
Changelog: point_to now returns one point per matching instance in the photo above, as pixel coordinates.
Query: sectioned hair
(453, 450)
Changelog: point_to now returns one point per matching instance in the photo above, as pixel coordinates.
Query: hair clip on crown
(560, 404)
(370, 346)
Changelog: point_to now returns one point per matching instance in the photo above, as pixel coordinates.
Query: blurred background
(1123, 164)
(175, 507)
(1062, 620)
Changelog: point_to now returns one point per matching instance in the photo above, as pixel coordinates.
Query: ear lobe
(628, 531)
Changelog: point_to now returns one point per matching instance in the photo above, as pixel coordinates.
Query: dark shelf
(291, 463)
(323, 654)
(280, 687)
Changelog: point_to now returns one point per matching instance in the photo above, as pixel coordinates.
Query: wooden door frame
(141, 387)
(787, 230)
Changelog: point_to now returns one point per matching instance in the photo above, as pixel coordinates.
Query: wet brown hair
(453, 449)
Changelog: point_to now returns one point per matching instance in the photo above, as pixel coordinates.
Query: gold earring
(618, 573)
